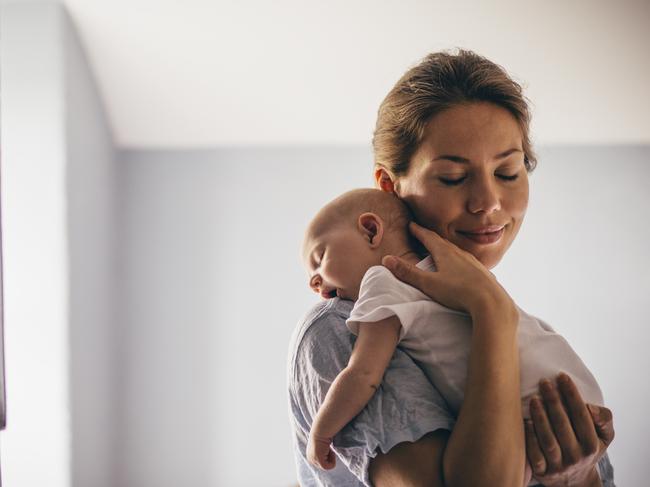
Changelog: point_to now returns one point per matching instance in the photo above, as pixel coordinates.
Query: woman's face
(467, 181)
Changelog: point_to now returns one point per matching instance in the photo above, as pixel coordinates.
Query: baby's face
(336, 260)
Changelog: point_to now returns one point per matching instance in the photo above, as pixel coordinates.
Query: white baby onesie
(438, 339)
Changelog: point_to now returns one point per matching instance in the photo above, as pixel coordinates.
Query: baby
(343, 249)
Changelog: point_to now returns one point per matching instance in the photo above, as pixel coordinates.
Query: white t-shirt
(438, 339)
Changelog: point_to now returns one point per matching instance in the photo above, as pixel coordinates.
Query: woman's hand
(564, 443)
(461, 283)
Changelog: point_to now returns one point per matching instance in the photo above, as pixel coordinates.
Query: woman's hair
(441, 81)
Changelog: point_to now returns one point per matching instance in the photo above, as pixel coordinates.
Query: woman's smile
(485, 236)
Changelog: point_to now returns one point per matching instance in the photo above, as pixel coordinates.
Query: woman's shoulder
(326, 318)
(329, 309)
(321, 334)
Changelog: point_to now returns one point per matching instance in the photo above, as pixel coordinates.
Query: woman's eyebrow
(458, 159)
(505, 154)
(462, 160)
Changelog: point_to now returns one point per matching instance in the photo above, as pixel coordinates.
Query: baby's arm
(353, 387)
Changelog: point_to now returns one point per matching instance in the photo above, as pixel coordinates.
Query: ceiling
(205, 73)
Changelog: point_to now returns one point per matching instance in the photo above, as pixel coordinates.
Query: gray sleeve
(405, 407)
(606, 471)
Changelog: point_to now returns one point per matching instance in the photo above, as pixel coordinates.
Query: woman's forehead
(476, 128)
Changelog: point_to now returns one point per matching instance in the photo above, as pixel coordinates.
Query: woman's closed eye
(452, 181)
(507, 177)
(457, 181)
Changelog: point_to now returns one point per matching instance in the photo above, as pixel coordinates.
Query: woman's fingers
(566, 435)
(433, 242)
(561, 423)
(545, 435)
(533, 450)
(583, 425)
(603, 422)
(409, 273)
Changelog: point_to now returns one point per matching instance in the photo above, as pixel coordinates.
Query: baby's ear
(372, 227)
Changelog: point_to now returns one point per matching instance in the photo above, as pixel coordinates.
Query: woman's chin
(491, 261)
(489, 256)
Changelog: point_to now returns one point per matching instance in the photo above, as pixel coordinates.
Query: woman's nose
(483, 197)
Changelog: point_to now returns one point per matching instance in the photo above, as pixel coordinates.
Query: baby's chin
(347, 295)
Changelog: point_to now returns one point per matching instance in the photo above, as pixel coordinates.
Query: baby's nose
(315, 284)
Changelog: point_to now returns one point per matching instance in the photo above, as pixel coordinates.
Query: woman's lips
(484, 236)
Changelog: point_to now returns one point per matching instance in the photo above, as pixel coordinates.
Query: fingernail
(563, 378)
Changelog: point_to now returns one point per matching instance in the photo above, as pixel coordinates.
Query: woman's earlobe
(387, 185)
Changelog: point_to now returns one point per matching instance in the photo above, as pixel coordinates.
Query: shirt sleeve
(606, 471)
(405, 407)
(382, 295)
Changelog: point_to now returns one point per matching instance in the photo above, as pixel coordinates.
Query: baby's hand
(319, 452)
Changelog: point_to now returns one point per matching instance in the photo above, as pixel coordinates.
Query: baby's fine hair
(348, 206)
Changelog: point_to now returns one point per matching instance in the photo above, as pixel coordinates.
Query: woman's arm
(486, 446)
(410, 464)
(353, 387)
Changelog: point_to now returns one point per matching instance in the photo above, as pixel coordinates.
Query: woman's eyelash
(456, 182)
(452, 182)
(508, 178)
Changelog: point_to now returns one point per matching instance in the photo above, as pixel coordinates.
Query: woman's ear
(385, 181)
(372, 228)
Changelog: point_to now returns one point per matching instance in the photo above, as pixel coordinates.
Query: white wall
(35, 445)
(59, 238)
(92, 249)
(206, 73)
(213, 288)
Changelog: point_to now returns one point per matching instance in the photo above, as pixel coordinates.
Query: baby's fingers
(329, 462)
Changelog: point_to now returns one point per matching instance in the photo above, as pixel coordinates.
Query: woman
(452, 142)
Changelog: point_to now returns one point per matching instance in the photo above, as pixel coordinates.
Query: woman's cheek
(520, 200)
(433, 221)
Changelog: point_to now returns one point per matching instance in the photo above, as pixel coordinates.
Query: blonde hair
(440, 81)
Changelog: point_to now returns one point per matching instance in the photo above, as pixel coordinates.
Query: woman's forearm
(486, 446)
(348, 395)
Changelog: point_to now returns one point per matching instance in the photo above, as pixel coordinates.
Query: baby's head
(351, 234)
